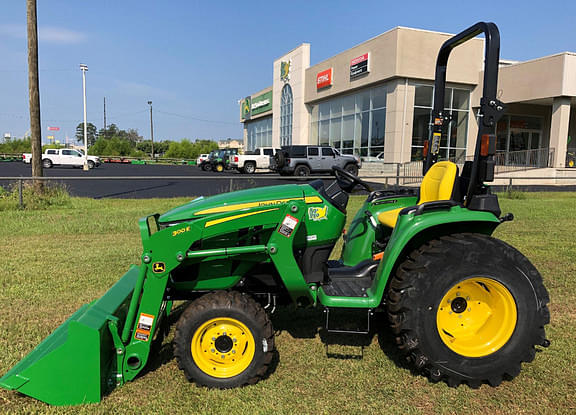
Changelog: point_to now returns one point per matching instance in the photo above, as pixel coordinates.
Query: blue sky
(195, 60)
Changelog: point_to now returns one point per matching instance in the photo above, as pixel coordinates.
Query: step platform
(349, 281)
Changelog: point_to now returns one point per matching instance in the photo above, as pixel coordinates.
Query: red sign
(324, 79)
(359, 66)
(359, 59)
(53, 128)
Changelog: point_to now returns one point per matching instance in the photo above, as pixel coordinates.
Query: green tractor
(464, 307)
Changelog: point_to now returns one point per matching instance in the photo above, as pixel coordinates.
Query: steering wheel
(347, 181)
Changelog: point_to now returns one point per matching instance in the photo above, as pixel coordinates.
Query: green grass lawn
(54, 261)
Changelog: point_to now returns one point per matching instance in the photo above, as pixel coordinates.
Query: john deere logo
(158, 267)
(285, 70)
(246, 108)
(317, 213)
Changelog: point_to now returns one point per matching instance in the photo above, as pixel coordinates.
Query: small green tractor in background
(464, 307)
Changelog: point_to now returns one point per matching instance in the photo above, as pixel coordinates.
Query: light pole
(84, 68)
(151, 128)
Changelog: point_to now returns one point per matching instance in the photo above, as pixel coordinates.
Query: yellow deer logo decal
(317, 213)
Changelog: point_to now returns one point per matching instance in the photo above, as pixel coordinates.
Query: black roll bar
(491, 108)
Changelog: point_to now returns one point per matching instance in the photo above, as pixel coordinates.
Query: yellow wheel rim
(219, 168)
(571, 163)
(476, 317)
(223, 347)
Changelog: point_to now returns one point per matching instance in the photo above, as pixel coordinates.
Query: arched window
(286, 110)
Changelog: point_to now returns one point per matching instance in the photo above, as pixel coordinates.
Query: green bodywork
(210, 244)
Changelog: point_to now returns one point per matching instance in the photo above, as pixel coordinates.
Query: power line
(196, 118)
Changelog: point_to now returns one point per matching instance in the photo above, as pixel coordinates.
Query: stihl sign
(324, 79)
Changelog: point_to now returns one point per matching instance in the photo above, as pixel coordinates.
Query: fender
(410, 226)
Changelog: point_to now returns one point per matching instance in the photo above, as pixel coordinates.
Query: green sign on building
(245, 108)
(261, 103)
(256, 105)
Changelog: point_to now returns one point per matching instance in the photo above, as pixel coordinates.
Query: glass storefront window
(259, 133)
(363, 101)
(353, 124)
(286, 109)
(454, 137)
(379, 97)
(423, 96)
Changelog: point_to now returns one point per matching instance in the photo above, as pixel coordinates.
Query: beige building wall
(299, 61)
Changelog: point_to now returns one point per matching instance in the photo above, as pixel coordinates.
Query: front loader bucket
(76, 363)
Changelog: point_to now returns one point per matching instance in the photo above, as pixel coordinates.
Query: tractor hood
(242, 199)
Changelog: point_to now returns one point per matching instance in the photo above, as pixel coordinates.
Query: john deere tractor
(465, 307)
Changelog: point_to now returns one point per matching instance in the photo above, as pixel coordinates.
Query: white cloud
(47, 34)
(60, 35)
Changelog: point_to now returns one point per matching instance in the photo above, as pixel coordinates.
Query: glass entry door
(520, 141)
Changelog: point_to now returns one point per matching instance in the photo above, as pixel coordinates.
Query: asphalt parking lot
(176, 181)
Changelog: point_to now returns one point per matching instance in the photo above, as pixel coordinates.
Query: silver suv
(306, 160)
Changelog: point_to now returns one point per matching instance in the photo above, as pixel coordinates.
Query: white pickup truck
(252, 160)
(63, 157)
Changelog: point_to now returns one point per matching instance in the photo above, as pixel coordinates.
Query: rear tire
(206, 167)
(249, 167)
(91, 164)
(468, 308)
(302, 171)
(47, 163)
(224, 340)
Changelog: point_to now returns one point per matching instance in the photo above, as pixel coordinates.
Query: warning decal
(288, 225)
(145, 323)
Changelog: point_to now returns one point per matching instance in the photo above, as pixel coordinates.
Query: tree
(90, 129)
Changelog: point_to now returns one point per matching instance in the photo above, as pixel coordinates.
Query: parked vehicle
(221, 160)
(377, 157)
(251, 161)
(201, 159)
(63, 157)
(206, 164)
(304, 160)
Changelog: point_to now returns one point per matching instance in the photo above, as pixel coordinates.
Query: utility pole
(84, 68)
(34, 93)
(104, 115)
(151, 128)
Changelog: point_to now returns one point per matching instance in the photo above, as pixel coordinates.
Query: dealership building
(376, 98)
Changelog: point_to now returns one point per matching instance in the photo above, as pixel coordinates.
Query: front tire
(352, 169)
(47, 163)
(468, 308)
(224, 340)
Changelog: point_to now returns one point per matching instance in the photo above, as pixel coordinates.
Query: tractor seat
(437, 184)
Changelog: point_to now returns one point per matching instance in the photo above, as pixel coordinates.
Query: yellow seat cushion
(437, 184)
(389, 218)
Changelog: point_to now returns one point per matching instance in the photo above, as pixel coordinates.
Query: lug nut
(212, 350)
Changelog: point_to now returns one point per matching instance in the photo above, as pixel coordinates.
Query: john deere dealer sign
(256, 105)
